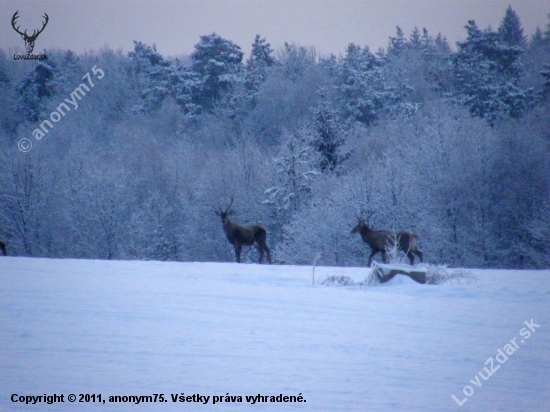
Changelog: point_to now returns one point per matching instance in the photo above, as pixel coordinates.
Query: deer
(382, 240)
(29, 40)
(253, 235)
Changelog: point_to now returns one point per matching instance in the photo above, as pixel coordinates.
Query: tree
(26, 189)
(158, 79)
(295, 60)
(257, 64)
(35, 90)
(486, 75)
(296, 167)
(261, 55)
(397, 43)
(329, 133)
(365, 90)
(510, 29)
(99, 212)
(217, 64)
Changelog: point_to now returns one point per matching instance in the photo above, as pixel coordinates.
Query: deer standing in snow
(382, 240)
(253, 235)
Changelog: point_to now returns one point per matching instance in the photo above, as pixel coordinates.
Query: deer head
(29, 40)
(362, 221)
(224, 214)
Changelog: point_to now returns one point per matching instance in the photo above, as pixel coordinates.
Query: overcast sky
(328, 25)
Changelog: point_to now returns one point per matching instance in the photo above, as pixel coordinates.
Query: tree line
(450, 143)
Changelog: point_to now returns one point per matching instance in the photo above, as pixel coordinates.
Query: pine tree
(510, 29)
(330, 131)
(537, 39)
(217, 62)
(257, 64)
(261, 54)
(486, 75)
(159, 79)
(366, 90)
(35, 90)
(416, 39)
(397, 43)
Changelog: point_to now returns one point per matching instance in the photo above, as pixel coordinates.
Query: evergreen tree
(158, 79)
(261, 54)
(486, 75)
(537, 39)
(330, 133)
(416, 39)
(366, 90)
(35, 90)
(397, 43)
(510, 29)
(217, 63)
(257, 64)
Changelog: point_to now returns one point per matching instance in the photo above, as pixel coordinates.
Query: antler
(13, 19)
(226, 210)
(34, 33)
(43, 26)
(365, 215)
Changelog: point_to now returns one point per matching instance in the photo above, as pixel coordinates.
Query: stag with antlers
(382, 240)
(29, 40)
(253, 235)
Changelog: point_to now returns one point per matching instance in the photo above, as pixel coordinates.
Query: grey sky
(329, 25)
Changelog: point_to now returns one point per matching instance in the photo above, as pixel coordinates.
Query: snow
(139, 328)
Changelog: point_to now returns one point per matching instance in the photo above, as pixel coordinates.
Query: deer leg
(419, 254)
(384, 258)
(3, 247)
(238, 249)
(260, 251)
(411, 257)
(374, 252)
(268, 253)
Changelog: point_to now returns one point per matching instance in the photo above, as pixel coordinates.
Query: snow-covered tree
(261, 57)
(365, 92)
(510, 29)
(35, 90)
(329, 133)
(159, 79)
(486, 75)
(26, 195)
(398, 43)
(296, 167)
(217, 63)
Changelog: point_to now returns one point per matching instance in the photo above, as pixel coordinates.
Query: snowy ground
(140, 328)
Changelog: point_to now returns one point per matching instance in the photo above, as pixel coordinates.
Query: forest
(133, 153)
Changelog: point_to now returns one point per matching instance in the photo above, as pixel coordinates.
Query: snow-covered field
(143, 328)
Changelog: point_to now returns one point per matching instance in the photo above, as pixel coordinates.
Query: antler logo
(29, 40)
